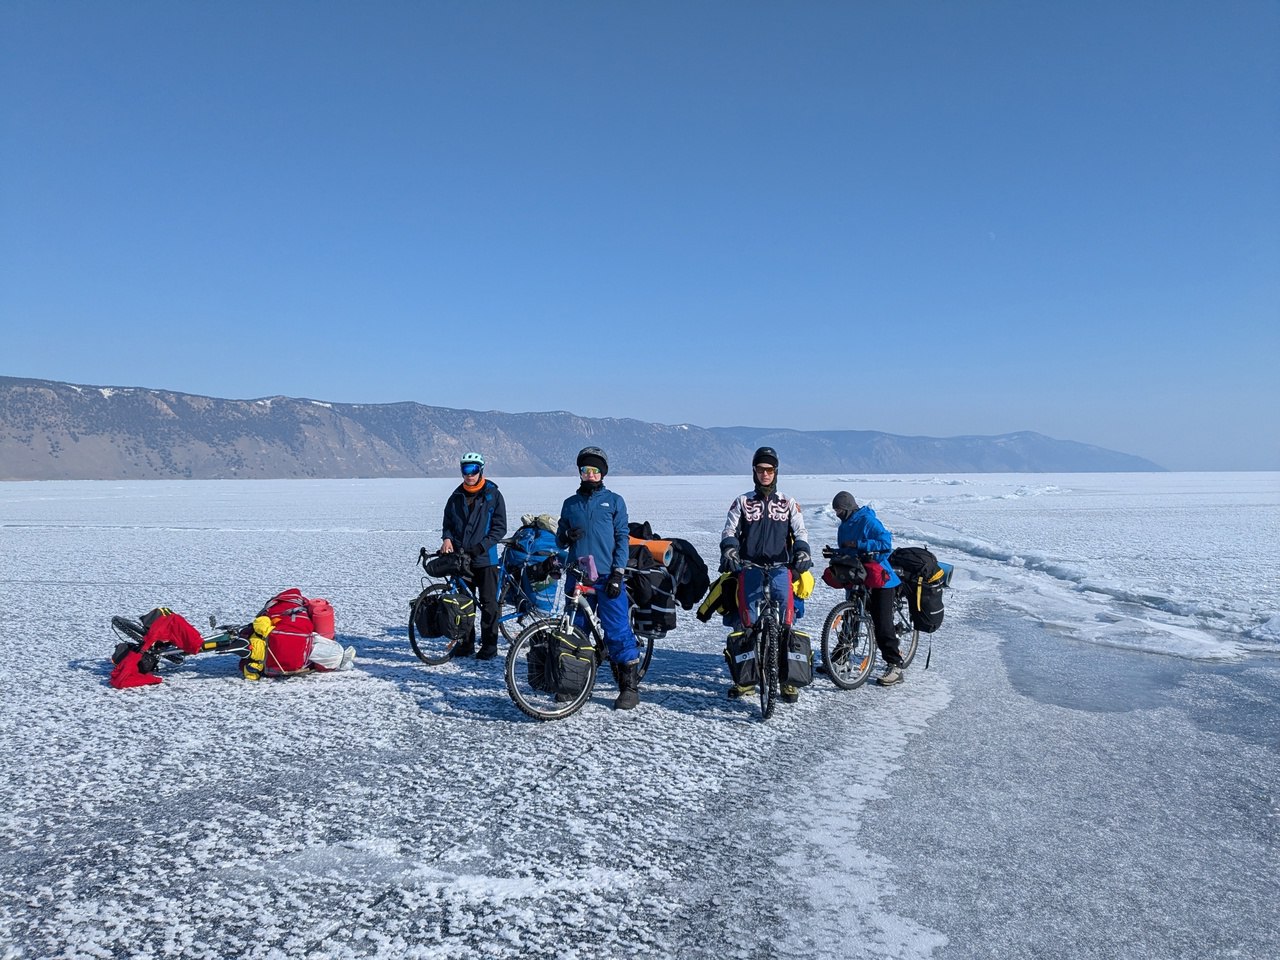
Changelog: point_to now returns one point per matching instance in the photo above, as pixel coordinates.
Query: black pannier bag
(651, 590)
(425, 616)
(844, 571)
(451, 615)
(922, 582)
(795, 665)
(573, 660)
(538, 662)
(740, 655)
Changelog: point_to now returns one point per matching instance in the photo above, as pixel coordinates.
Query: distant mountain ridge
(61, 431)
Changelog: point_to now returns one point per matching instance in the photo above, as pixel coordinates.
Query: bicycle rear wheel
(848, 645)
(512, 623)
(432, 651)
(644, 642)
(908, 636)
(529, 681)
(767, 654)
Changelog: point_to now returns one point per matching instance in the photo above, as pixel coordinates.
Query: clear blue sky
(927, 218)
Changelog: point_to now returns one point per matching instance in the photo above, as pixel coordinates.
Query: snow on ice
(1087, 768)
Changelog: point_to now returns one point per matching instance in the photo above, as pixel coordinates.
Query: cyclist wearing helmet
(475, 519)
(593, 524)
(765, 526)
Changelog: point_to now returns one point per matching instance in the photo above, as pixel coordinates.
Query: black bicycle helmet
(593, 457)
(767, 456)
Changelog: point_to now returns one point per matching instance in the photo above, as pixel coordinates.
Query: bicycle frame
(577, 601)
(767, 631)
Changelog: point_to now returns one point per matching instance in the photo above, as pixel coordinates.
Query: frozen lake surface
(1087, 769)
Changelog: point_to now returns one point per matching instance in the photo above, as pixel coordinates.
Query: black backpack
(922, 582)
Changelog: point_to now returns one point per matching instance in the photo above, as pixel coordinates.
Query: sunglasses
(589, 471)
(471, 469)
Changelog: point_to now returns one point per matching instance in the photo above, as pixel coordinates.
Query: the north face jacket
(602, 518)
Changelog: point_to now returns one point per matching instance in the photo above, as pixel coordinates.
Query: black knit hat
(844, 505)
(593, 457)
(767, 456)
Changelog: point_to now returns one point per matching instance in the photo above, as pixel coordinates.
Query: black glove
(730, 562)
(801, 561)
(613, 586)
(573, 534)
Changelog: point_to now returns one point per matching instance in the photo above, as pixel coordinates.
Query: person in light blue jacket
(863, 536)
(593, 527)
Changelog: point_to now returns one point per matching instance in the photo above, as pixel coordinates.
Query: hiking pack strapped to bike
(681, 558)
(923, 579)
(661, 573)
(538, 561)
(651, 589)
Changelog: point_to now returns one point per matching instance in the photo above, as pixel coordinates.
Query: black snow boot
(628, 686)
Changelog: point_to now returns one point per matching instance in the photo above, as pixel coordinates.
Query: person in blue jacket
(593, 524)
(475, 519)
(862, 535)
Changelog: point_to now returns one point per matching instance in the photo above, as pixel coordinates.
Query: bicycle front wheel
(130, 628)
(767, 656)
(432, 651)
(848, 645)
(531, 679)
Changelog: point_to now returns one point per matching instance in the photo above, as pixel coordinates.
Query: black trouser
(881, 608)
(485, 582)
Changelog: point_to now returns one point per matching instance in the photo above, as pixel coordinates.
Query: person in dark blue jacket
(862, 535)
(475, 519)
(593, 528)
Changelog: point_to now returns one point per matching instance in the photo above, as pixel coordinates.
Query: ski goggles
(589, 471)
(471, 469)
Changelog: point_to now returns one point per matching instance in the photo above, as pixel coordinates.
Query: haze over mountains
(61, 431)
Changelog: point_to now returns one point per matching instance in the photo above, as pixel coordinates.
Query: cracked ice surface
(1086, 769)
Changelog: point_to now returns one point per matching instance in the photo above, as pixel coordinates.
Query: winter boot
(892, 674)
(488, 650)
(628, 686)
(789, 693)
(467, 648)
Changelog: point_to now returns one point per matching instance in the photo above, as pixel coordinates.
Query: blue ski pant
(615, 619)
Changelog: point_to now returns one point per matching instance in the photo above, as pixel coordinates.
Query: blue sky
(925, 218)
